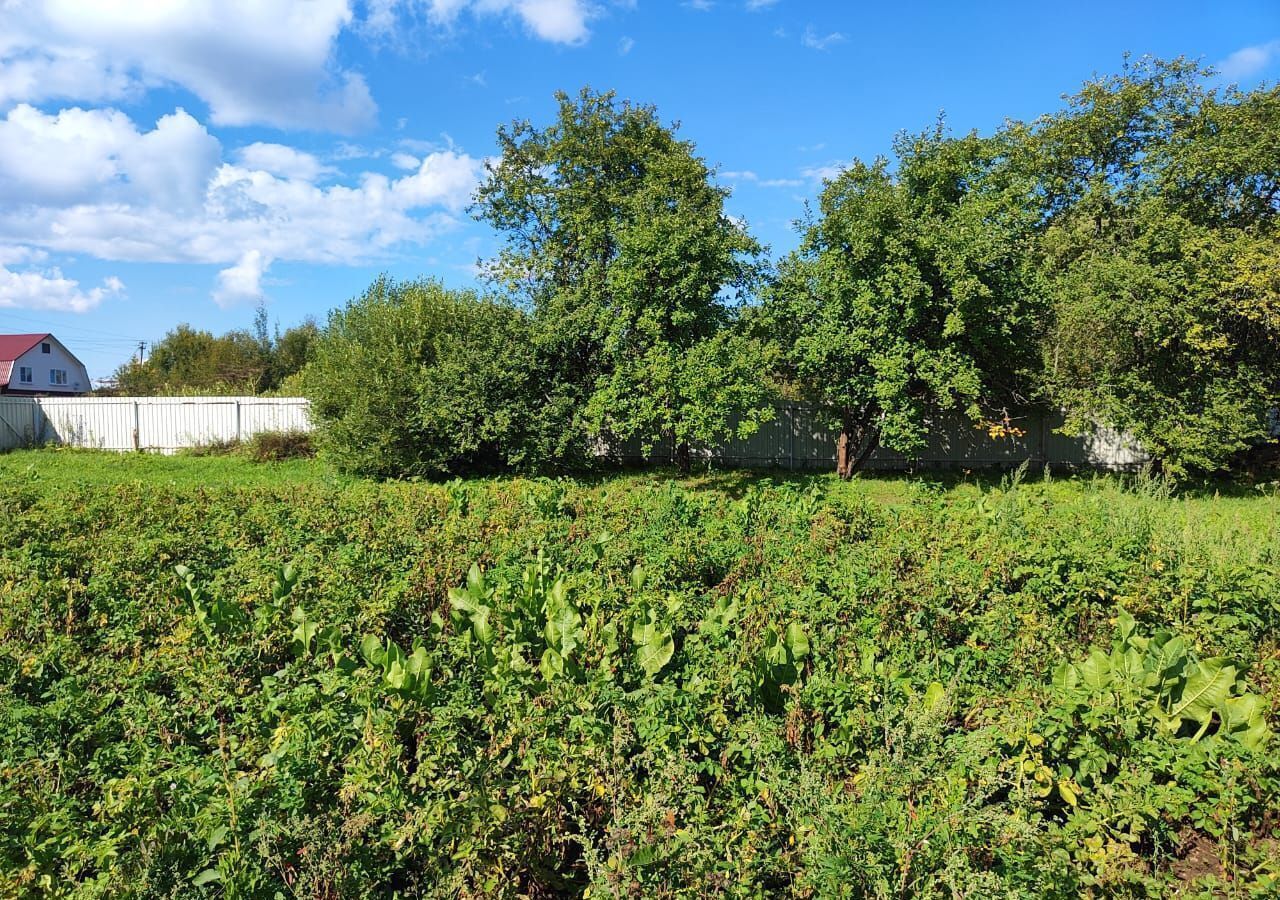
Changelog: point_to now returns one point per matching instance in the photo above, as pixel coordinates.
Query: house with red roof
(39, 365)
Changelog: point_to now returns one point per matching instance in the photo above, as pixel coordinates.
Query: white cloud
(828, 172)
(279, 159)
(14, 254)
(241, 283)
(816, 41)
(748, 175)
(626, 45)
(754, 5)
(1249, 61)
(50, 290)
(89, 182)
(558, 21)
(405, 161)
(253, 61)
(98, 155)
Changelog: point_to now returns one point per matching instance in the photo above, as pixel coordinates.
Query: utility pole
(142, 350)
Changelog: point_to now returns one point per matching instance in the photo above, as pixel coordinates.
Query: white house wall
(58, 357)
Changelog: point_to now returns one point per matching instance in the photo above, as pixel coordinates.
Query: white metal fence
(163, 424)
(793, 439)
(796, 438)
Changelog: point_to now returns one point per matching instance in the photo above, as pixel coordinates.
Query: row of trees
(1116, 259)
(240, 361)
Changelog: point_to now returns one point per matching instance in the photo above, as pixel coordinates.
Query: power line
(131, 339)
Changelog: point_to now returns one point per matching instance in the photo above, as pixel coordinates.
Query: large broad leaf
(654, 646)
(1206, 689)
(1166, 658)
(551, 665)
(1066, 676)
(797, 641)
(372, 651)
(1095, 671)
(1127, 665)
(1125, 627)
(1244, 719)
(563, 627)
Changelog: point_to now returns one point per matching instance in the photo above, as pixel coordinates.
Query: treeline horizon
(1118, 258)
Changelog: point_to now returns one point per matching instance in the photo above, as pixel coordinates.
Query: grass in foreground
(728, 685)
(67, 468)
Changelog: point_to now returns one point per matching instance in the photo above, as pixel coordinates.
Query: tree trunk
(684, 456)
(857, 441)
(844, 462)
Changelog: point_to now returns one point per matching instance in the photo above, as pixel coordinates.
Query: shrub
(272, 446)
(411, 379)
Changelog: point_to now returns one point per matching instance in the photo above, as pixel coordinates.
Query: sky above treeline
(182, 161)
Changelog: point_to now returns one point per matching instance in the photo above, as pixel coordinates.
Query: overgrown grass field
(256, 680)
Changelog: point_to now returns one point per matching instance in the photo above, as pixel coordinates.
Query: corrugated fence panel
(104, 423)
(168, 423)
(274, 414)
(19, 422)
(145, 423)
(797, 437)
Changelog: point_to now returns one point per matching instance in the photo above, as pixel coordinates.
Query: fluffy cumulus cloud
(92, 182)
(49, 290)
(241, 283)
(279, 159)
(253, 61)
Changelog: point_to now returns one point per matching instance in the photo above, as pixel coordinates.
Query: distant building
(39, 365)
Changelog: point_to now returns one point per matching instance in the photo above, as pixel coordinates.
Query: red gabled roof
(14, 345)
(11, 347)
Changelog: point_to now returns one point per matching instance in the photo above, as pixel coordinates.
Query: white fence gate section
(162, 424)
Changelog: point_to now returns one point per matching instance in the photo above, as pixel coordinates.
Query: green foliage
(411, 379)
(910, 293)
(734, 686)
(1160, 679)
(1158, 196)
(191, 361)
(617, 239)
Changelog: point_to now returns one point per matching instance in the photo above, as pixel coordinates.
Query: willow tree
(617, 239)
(909, 295)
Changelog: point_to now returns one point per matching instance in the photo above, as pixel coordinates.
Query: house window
(45, 348)
(57, 376)
(25, 375)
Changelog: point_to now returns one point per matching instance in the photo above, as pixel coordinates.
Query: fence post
(238, 433)
(137, 437)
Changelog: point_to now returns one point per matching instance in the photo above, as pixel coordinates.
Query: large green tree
(1160, 199)
(909, 295)
(617, 238)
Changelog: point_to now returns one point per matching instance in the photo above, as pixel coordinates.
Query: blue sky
(181, 161)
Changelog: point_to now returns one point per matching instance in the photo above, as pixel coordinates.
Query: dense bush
(722, 687)
(273, 446)
(411, 379)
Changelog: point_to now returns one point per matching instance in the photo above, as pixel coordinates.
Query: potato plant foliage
(724, 686)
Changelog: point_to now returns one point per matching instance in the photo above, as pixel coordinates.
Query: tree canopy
(909, 295)
(617, 239)
(1115, 259)
(241, 361)
(1160, 200)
